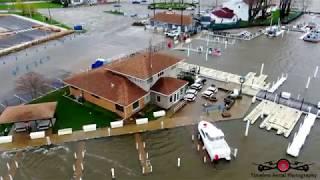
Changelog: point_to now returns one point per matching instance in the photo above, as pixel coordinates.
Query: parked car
(200, 81)
(192, 91)
(207, 93)
(228, 103)
(213, 98)
(189, 97)
(196, 86)
(210, 91)
(173, 33)
(191, 8)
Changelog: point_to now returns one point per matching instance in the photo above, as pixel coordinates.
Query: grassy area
(70, 114)
(38, 5)
(171, 5)
(147, 111)
(3, 127)
(115, 12)
(39, 17)
(5, 1)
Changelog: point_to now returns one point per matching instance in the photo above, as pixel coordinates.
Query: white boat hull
(214, 142)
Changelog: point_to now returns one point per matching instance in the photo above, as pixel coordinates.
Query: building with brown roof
(33, 116)
(125, 86)
(170, 20)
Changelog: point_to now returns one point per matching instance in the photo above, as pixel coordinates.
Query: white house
(223, 16)
(239, 7)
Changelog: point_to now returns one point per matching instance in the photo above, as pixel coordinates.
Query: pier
(301, 136)
(228, 35)
(252, 85)
(275, 116)
(143, 155)
(294, 103)
(13, 166)
(78, 165)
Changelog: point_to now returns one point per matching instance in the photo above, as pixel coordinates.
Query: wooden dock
(79, 157)
(144, 160)
(13, 166)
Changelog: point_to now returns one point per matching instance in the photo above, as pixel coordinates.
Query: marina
(260, 104)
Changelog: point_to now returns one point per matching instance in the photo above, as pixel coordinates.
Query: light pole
(242, 80)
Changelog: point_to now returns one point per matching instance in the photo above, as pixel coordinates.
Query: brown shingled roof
(172, 18)
(143, 66)
(168, 85)
(108, 85)
(30, 112)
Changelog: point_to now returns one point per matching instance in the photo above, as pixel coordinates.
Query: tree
(256, 6)
(285, 7)
(32, 83)
(26, 9)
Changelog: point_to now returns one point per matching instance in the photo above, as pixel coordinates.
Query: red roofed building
(170, 20)
(125, 86)
(223, 15)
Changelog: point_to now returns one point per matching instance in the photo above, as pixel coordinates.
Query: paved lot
(108, 35)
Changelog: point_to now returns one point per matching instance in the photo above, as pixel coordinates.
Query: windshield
(214, 138)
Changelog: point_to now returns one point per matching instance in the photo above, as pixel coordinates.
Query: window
(119, 108)
(181, 91)
(95, 96)
(175, 97)
(135, 105)
(170, 98)
(158, 98)
(160, 74)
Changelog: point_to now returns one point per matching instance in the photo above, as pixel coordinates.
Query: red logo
(283, 165)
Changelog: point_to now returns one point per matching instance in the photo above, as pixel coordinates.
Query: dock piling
(198, 147)
(235, 152)
(261, 69)
(109, 132)
(112, 174)
(179, 163)
(161, 124)
(316, 72)
(204, 159)
(8, 166)
(247, 128)
(308, 82)
(192, 137)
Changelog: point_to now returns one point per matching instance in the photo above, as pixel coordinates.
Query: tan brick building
(127, 85)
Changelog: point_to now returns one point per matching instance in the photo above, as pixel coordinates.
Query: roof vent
(112, 85)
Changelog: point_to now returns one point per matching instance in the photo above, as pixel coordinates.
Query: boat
(215, 52)
(274, 31)
(214, 142)
(313, 36)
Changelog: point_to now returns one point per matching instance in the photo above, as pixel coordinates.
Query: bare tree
(32, 83)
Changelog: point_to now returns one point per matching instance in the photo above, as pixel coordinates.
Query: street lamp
(242, 80)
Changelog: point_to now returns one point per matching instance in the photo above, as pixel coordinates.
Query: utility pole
(154, 9)
(181, 16)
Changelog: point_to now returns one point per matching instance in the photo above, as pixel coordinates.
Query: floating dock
(275, 116)
(279, 82)
(301, 136)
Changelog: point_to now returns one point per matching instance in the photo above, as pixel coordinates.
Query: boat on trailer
(214, 142)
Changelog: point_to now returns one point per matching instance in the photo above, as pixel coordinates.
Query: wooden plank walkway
(79, 157)
(144, 161)
(13, 166)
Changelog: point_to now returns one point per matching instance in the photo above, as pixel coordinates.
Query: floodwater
(284, 55)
